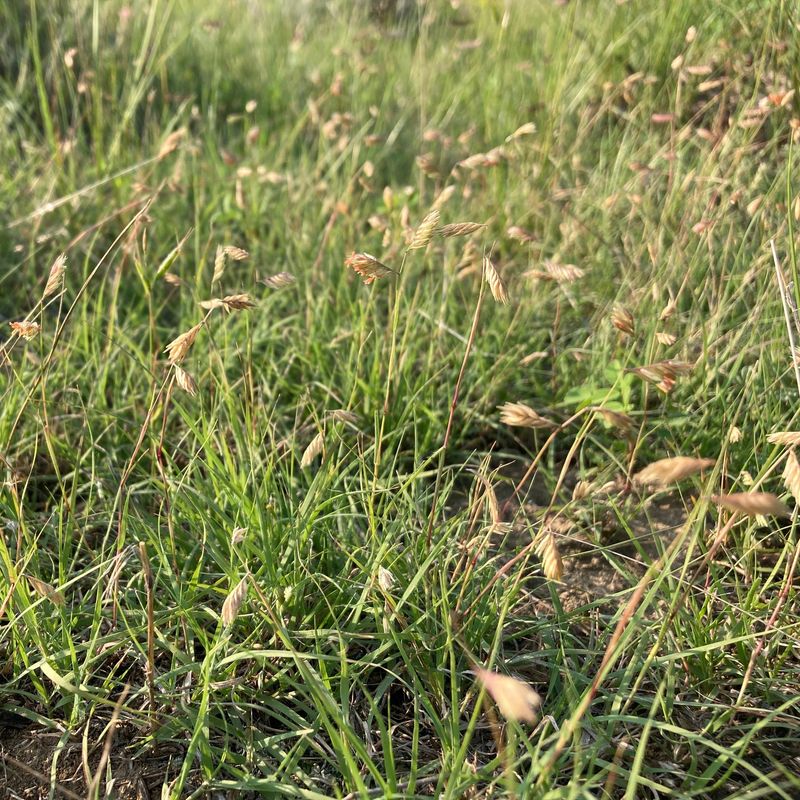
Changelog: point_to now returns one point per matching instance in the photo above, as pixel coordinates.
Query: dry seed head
(474, 161)
(669, 309)
(27, 330)
(219, 264)
(496, 284)
(667, 339)
(753, 503)
(237, 535)
(547, 549)
(233, 602)
(520, 234)
(527, 129)
(56, 277)
(316, 447)
(582, 490)
(563, 273)
(385, 579)
(424, 231)
(443, 197)
(521, 415)
(791, 475)
(515, 699)
(236, 253)
(210, 305)
(185, 381)
(734, 435)
(536, 355)
(367, 266)
(46, 590)
(342, 415)
(459, 229)
(238, 302)
(280, 280)
(785, 438)
(671, 470)
(171, 143)
(618, 419)
(622, 320)
(178, 348)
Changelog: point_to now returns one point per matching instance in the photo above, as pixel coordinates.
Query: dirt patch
(34, 761)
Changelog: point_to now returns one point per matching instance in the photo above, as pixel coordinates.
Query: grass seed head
(46, 590)
(280, 280)
(547, 549)
(670, 470)
(459, 229)
(521, 415)
(519, 234)
(496, 284)
(316, 446)
(623, 321)
(515, 699)
(785, 438)
(236, 253)
(219, 264)
(425, 229)
(185, 381)
(178, 348)
(26, 329)
(238, 302)
(528, 129)
(367, 266)
(55, 279)
(233, 602)
(791, 475)
(753, 503)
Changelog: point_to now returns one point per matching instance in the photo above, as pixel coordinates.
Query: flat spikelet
(496, 284)
(424, 231)
(280, 280)
(667, 339)
(27, 330)
(519, 234)
(617, 419)
(367, 266)
(670, 470)
(185, 381)
(56, 277)
(753, 503)
(528, 129)
(178, 348)
(236, 253)
(521, 415)
(785, 438)
(623, 321)
(219, 264)
(44, 589)
(791, 475)
(459, 229)
(232, 302)
(547, 550)
(233, 602)
(316, 447)
(515, 699)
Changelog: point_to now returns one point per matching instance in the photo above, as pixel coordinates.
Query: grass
(379, 576)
